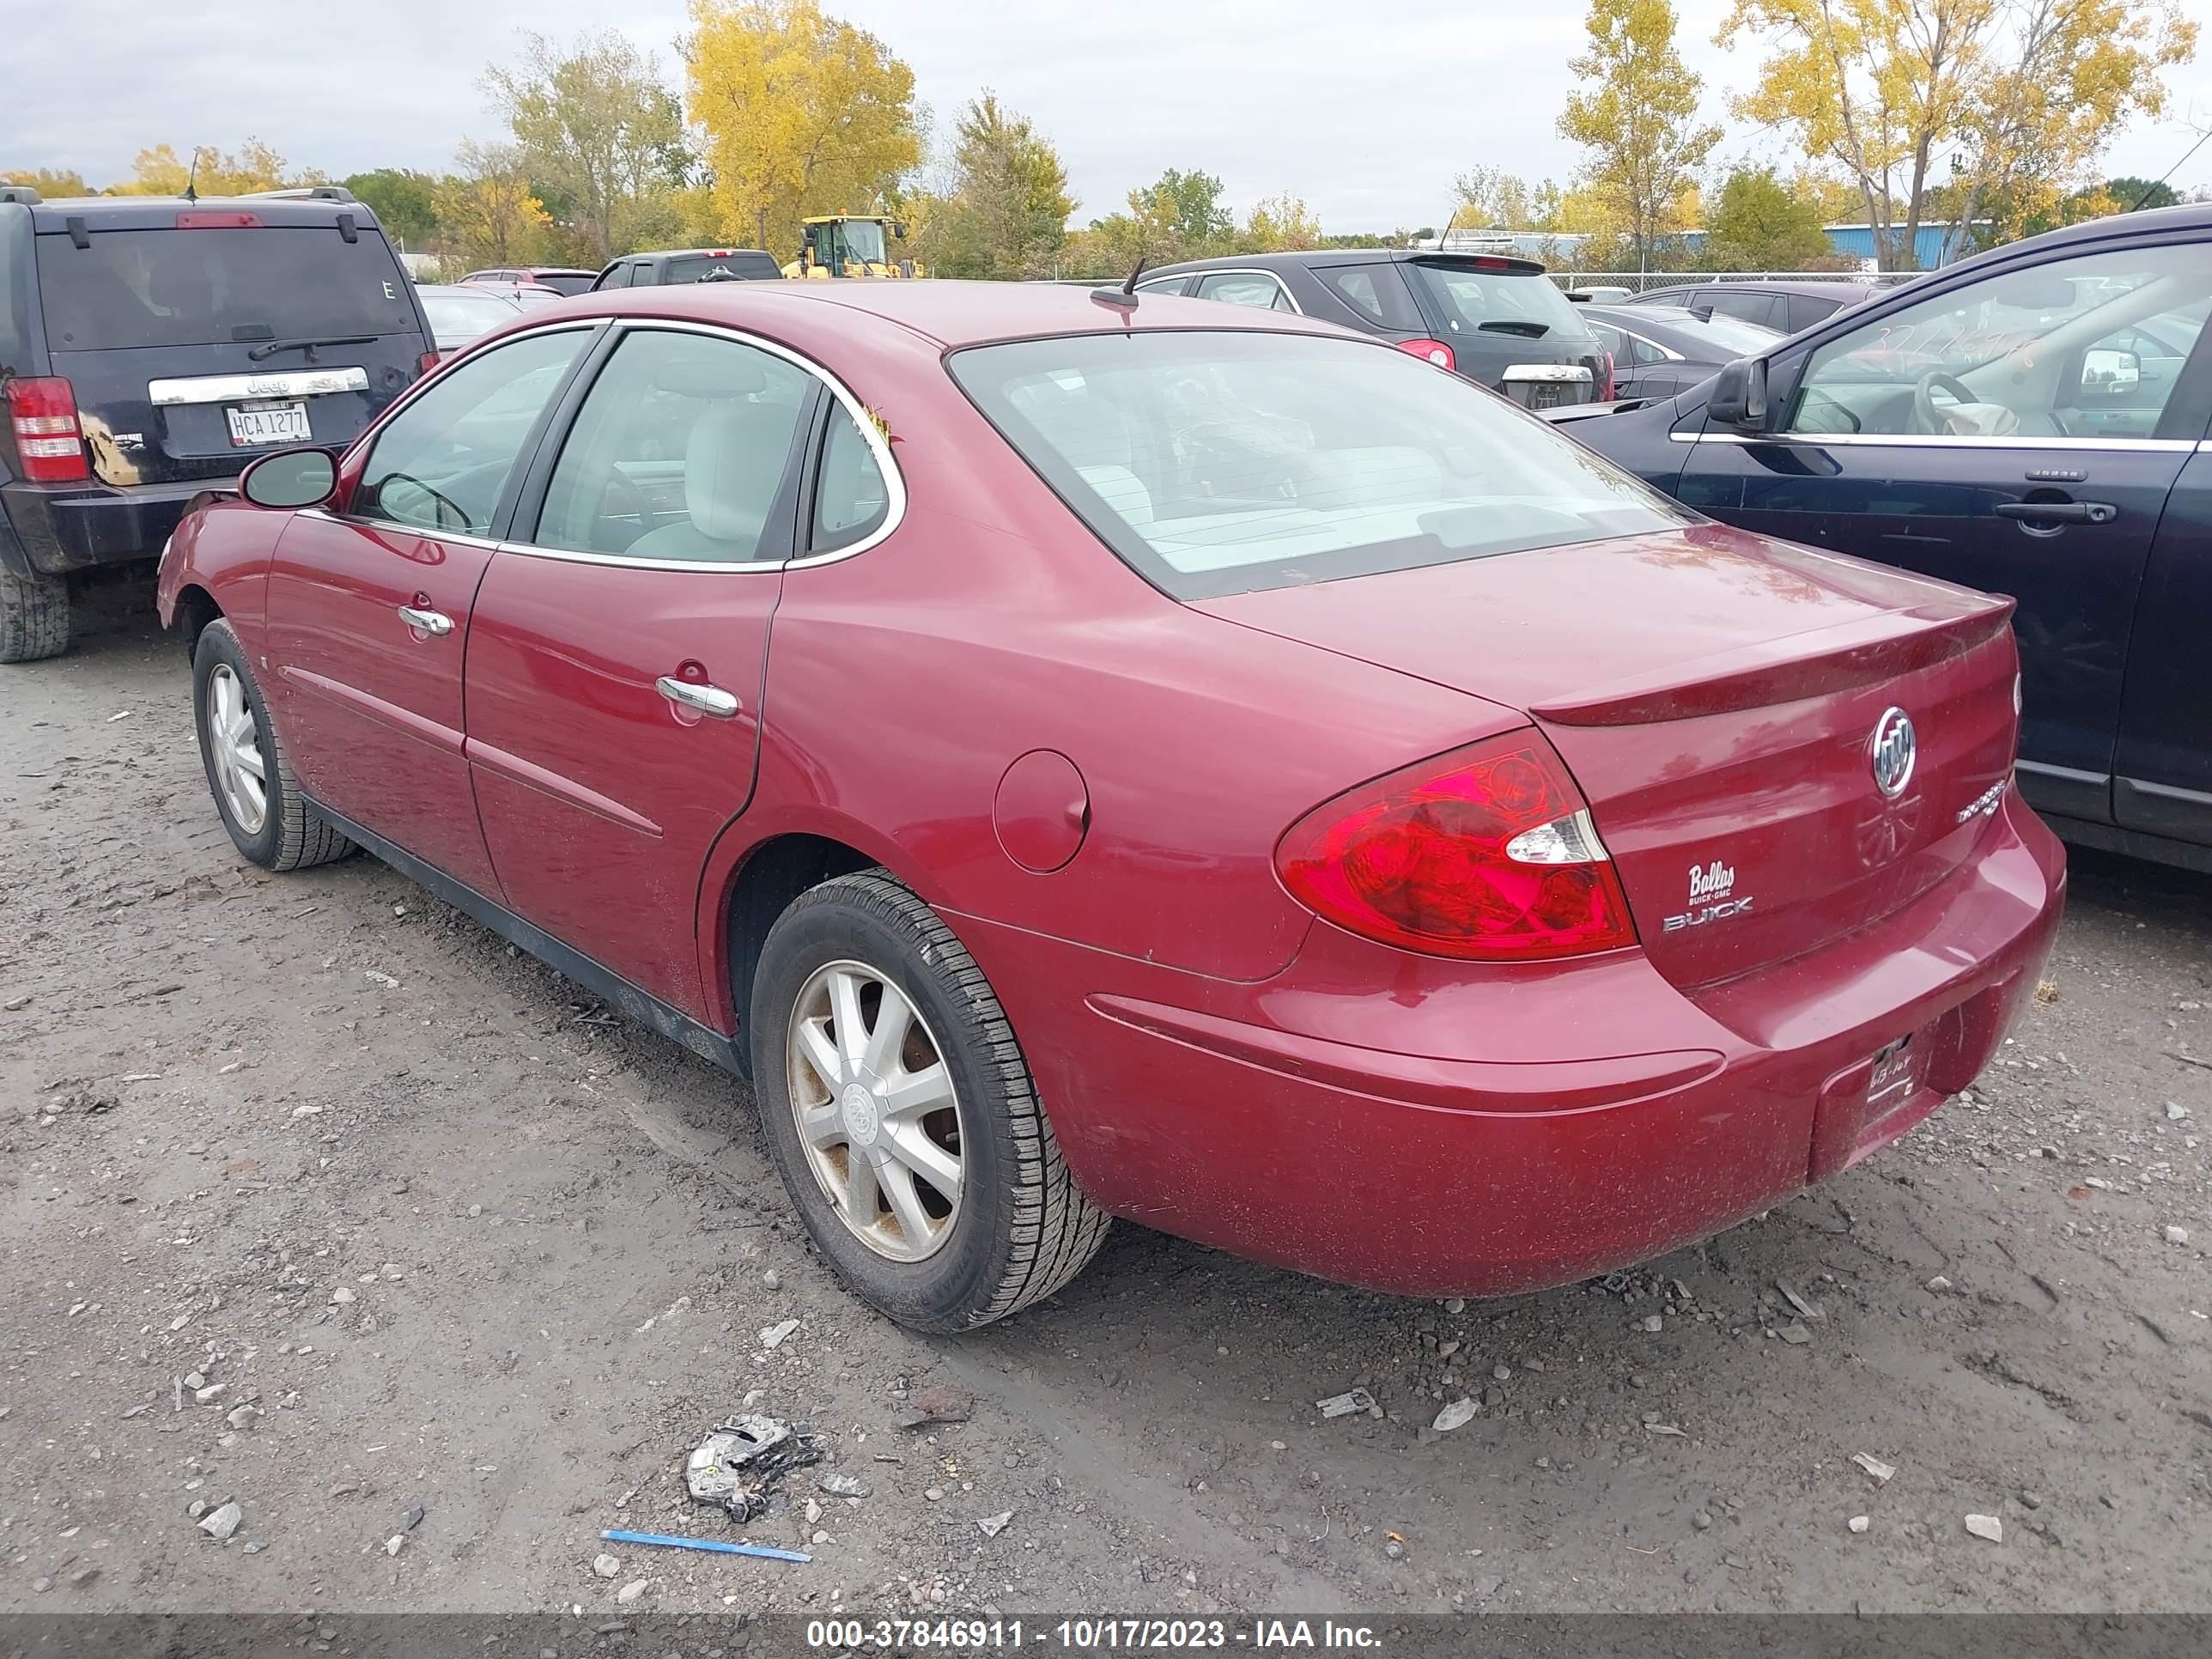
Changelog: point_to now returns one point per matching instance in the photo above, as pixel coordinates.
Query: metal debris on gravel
(1874, 1467)
(991, 1525)
(1345, 1404)
(933, 1406)
(1986, 1526)
(1456, 1415)
(734, 1467)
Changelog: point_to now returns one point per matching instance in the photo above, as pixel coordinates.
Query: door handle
(435, 623)
(708, 699)
(2054, 513)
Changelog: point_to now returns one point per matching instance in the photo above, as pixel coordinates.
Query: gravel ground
(464, 1265)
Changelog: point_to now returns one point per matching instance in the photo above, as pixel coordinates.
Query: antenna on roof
(1125, 297)
(191, 179)
(2152, 189)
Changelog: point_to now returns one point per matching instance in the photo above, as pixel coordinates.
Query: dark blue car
(2030, 421)
(151, 346)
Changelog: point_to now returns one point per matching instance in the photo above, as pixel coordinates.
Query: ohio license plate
(254, 425)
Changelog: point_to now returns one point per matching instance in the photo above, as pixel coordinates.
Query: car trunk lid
(1718, 698)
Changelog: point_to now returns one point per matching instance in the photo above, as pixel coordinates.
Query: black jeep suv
(151, 346)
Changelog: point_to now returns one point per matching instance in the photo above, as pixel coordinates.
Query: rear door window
(1764, 309)
(173, 288)
(1806, 309)
(851, 499)
(1376, 292)
(1245, 288)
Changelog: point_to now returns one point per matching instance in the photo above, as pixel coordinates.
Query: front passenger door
(369, 601)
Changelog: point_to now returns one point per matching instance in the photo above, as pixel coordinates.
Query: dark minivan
(151, 346)
(1500, 322)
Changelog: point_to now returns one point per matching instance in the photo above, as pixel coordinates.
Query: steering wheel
(1925, 414)
(441, 504)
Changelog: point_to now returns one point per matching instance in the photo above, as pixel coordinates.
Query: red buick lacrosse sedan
(1085, 758)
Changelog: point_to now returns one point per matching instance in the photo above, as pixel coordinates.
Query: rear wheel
(247, 770)
(34, 616)
(901, 1116)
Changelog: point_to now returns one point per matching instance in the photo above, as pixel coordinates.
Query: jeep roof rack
(301, 193)
(20, 193)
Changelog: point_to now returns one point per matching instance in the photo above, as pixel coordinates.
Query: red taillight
(1605, 379)
(48, 440)
(428, 362)
(1431, 351)
(1487, 853)
(222, 219)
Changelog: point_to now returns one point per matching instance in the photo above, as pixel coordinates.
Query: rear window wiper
(1527, 330)
(271, 347)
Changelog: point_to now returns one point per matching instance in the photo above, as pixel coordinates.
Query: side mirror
(1739, 395)
(290, 478)
(2107, 374)
(898, 228)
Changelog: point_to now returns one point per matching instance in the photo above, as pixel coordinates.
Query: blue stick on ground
(766, 1553)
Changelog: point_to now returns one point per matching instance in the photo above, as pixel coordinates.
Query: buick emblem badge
(1895, 749)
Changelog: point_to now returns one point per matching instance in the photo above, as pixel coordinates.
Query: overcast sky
(1366, 110)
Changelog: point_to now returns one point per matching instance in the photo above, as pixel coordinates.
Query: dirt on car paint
(436, 1231)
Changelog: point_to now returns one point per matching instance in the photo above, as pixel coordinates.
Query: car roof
(947, 312)
(1634, 316)
(1332, 257)
(469, 290)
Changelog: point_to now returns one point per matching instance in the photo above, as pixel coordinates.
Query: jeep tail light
(1433, 351)
(1487, 853)
(49, 442)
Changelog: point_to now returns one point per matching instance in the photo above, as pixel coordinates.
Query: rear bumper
(55, 529)
(1415, 1135)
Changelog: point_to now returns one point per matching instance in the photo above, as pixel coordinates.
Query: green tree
(1759, 223)
(403, 201)
(2132, 193)
(1638, 118)
(50, 184)
(802, 113)
(1005, 217)
(594, 122)
(1188, 205)
(486, 212)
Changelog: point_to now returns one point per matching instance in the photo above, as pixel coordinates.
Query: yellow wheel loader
(851, 244)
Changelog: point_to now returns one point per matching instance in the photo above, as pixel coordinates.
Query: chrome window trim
(1667, 354)
(894, 480)
(1281, 287)
(277, 383)
(460, 538)
(1944, 440)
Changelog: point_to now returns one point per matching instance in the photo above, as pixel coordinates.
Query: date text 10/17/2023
(1085, 1635)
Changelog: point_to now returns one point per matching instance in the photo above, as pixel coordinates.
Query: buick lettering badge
(1895, 749)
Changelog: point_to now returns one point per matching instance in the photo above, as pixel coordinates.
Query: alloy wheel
(878, 1116)
(235, 742)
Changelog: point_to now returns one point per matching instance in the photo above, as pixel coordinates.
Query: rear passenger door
(618, 653)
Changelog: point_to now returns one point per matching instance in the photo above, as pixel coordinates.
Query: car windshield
(863, 241)
(456, 318)
(1474, 299)
(169, 288)
(1223, 462)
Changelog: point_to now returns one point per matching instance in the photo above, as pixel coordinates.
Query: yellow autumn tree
(160, 171)
(2013, 99)
(1637, 116)
(486, 212)
(1279, 224)
(802, 113)
(49, 183)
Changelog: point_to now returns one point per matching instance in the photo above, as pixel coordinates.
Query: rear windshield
(1221, 463)
(1730, 334)
(457, 317)
(568, 282)
(1471, 300)
(168, 288)
(691, 267)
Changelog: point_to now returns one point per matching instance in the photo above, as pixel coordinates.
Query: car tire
(285, 834)
(1021, 1228)
(34, 616)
